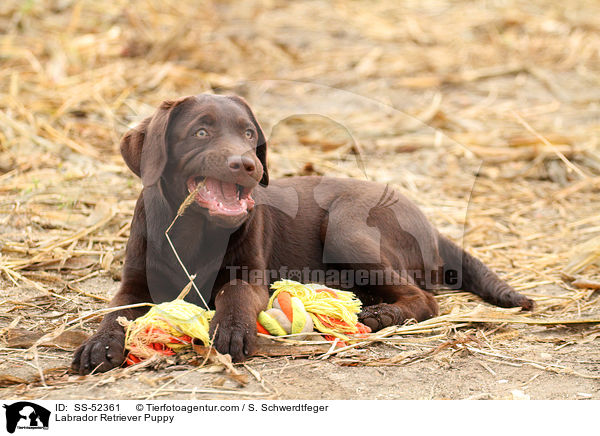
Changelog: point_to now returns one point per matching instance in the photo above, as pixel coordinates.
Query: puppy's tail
(473, 276)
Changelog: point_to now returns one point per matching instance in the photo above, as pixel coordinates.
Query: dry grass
(486, 114)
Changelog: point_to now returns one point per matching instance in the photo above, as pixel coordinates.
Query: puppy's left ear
(261, 144)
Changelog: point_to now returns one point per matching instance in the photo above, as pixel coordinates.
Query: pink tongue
(222, 192)
(229, 191)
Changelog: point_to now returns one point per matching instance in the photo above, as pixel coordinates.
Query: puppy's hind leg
(390, 298)
(400, 303)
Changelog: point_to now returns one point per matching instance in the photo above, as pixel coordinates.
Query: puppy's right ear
(132, 144)
(144, 147)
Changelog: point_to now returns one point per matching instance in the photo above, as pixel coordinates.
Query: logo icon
(26, 415)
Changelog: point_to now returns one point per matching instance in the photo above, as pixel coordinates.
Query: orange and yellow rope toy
(294, 309)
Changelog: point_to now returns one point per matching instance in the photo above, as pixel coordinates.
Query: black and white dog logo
(26, 415)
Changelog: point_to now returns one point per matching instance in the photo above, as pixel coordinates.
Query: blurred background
(486, 113)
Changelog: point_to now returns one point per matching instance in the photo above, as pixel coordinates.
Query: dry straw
(514, 103)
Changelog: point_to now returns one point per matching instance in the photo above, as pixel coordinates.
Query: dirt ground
(485, 114)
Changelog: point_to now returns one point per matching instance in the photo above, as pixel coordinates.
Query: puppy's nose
(239, 163)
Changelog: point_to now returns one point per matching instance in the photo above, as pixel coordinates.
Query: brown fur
(340, 224)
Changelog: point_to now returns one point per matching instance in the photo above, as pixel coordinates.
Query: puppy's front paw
(103, 351)
(233, 336)
(381, 316)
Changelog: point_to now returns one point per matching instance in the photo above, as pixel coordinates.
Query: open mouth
(221, 198)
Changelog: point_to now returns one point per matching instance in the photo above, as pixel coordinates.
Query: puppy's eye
(249, 134)
(201, 133)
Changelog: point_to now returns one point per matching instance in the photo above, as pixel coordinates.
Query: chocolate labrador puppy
(241, 233)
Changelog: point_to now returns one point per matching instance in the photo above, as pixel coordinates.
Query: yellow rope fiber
(164, 324)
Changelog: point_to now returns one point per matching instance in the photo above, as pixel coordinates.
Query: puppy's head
(211, 140)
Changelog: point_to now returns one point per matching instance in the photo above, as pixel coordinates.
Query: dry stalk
(184, 205)
(562, 157)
